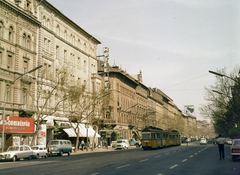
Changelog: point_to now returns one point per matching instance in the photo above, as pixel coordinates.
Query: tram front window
(146, 136)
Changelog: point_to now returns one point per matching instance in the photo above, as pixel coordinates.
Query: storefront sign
(18, 125)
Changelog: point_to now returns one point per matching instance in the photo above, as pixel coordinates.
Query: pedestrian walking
(221, 141)
(82, 144)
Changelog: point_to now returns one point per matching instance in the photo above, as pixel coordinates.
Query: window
(1, 28)
(0, 58)
(24, 96)
(8, 93)
(44, 20)
(73, 42)
(25, 66)
(24, 38)
(85, 65)
(49, 45)
(57, 50)
(45, 44)
(65, 35)
(48, 23)
(9, 62)
(58, 30)
(28, 42)
(79, 62)
(10, 34)
(65, 55)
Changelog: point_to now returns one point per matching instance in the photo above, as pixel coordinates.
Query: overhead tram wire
(191, 80)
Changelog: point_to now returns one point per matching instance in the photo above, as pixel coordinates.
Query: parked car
(17, 152)
(122, 144)
(235, 149)
(40, 151)
(229, 141)
(133, 142)
(138, 143)
(203, 141)
(188, 140)
(59, 147)
(184, 139)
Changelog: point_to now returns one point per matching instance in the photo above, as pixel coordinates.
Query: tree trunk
(77, 141)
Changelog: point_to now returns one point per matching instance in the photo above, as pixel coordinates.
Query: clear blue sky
(173, 42)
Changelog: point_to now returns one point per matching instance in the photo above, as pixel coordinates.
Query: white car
(122, 144)
(40, 151)
(203, 141)
(17, 152)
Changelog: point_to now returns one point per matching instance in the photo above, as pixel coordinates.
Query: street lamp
(221, 75)
(5, 96)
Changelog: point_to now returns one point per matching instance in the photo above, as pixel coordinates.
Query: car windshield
(53, 142)
(35, 148)
(236, 143)
(203, 139)
(13, 148)
(120, 141)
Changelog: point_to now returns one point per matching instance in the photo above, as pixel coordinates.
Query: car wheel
(29, 157)
(37, 156)
(69, 153)
(14, 158)
(61, 153)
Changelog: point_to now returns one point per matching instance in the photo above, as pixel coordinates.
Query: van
(59, 147)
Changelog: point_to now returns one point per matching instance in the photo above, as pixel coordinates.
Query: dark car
(184, 139)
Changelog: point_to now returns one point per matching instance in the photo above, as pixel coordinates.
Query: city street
(180, 160)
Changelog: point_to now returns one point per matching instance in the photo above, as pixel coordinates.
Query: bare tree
(50, 94)
(223, 102)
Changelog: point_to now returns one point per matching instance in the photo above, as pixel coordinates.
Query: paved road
(182, 160)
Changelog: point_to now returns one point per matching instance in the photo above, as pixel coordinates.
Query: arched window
(58, 30)
(24, 38)
(48, 23)
(79, 43)
(1, 29)
(44, 20)
(29, 42)
(73, 40)
(65, 35)
(10, 34)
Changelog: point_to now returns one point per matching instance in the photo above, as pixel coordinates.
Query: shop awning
(83, 131)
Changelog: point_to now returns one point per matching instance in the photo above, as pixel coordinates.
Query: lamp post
(5, 99)
(221, 75)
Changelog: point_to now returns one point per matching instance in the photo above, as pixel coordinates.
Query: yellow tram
(153, 138)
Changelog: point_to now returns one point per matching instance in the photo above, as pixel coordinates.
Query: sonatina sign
(18, 125)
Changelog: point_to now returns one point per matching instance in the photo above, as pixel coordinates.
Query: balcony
(106, 122)
(26, 110)
(27, 79)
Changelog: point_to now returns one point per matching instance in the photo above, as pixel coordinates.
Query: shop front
(17, 131)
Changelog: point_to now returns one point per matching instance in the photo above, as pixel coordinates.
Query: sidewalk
(98, 150)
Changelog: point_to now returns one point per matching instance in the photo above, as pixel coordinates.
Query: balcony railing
(107, 122)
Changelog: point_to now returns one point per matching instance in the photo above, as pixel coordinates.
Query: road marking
(94, 173)
(157, 156)
(191, 156)
(123, 166)
(160, 174)
(199, 151)
(195, 153)
(166, 153)
(184, 160)
(143, 160)
(174, 151)
(173, 166)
